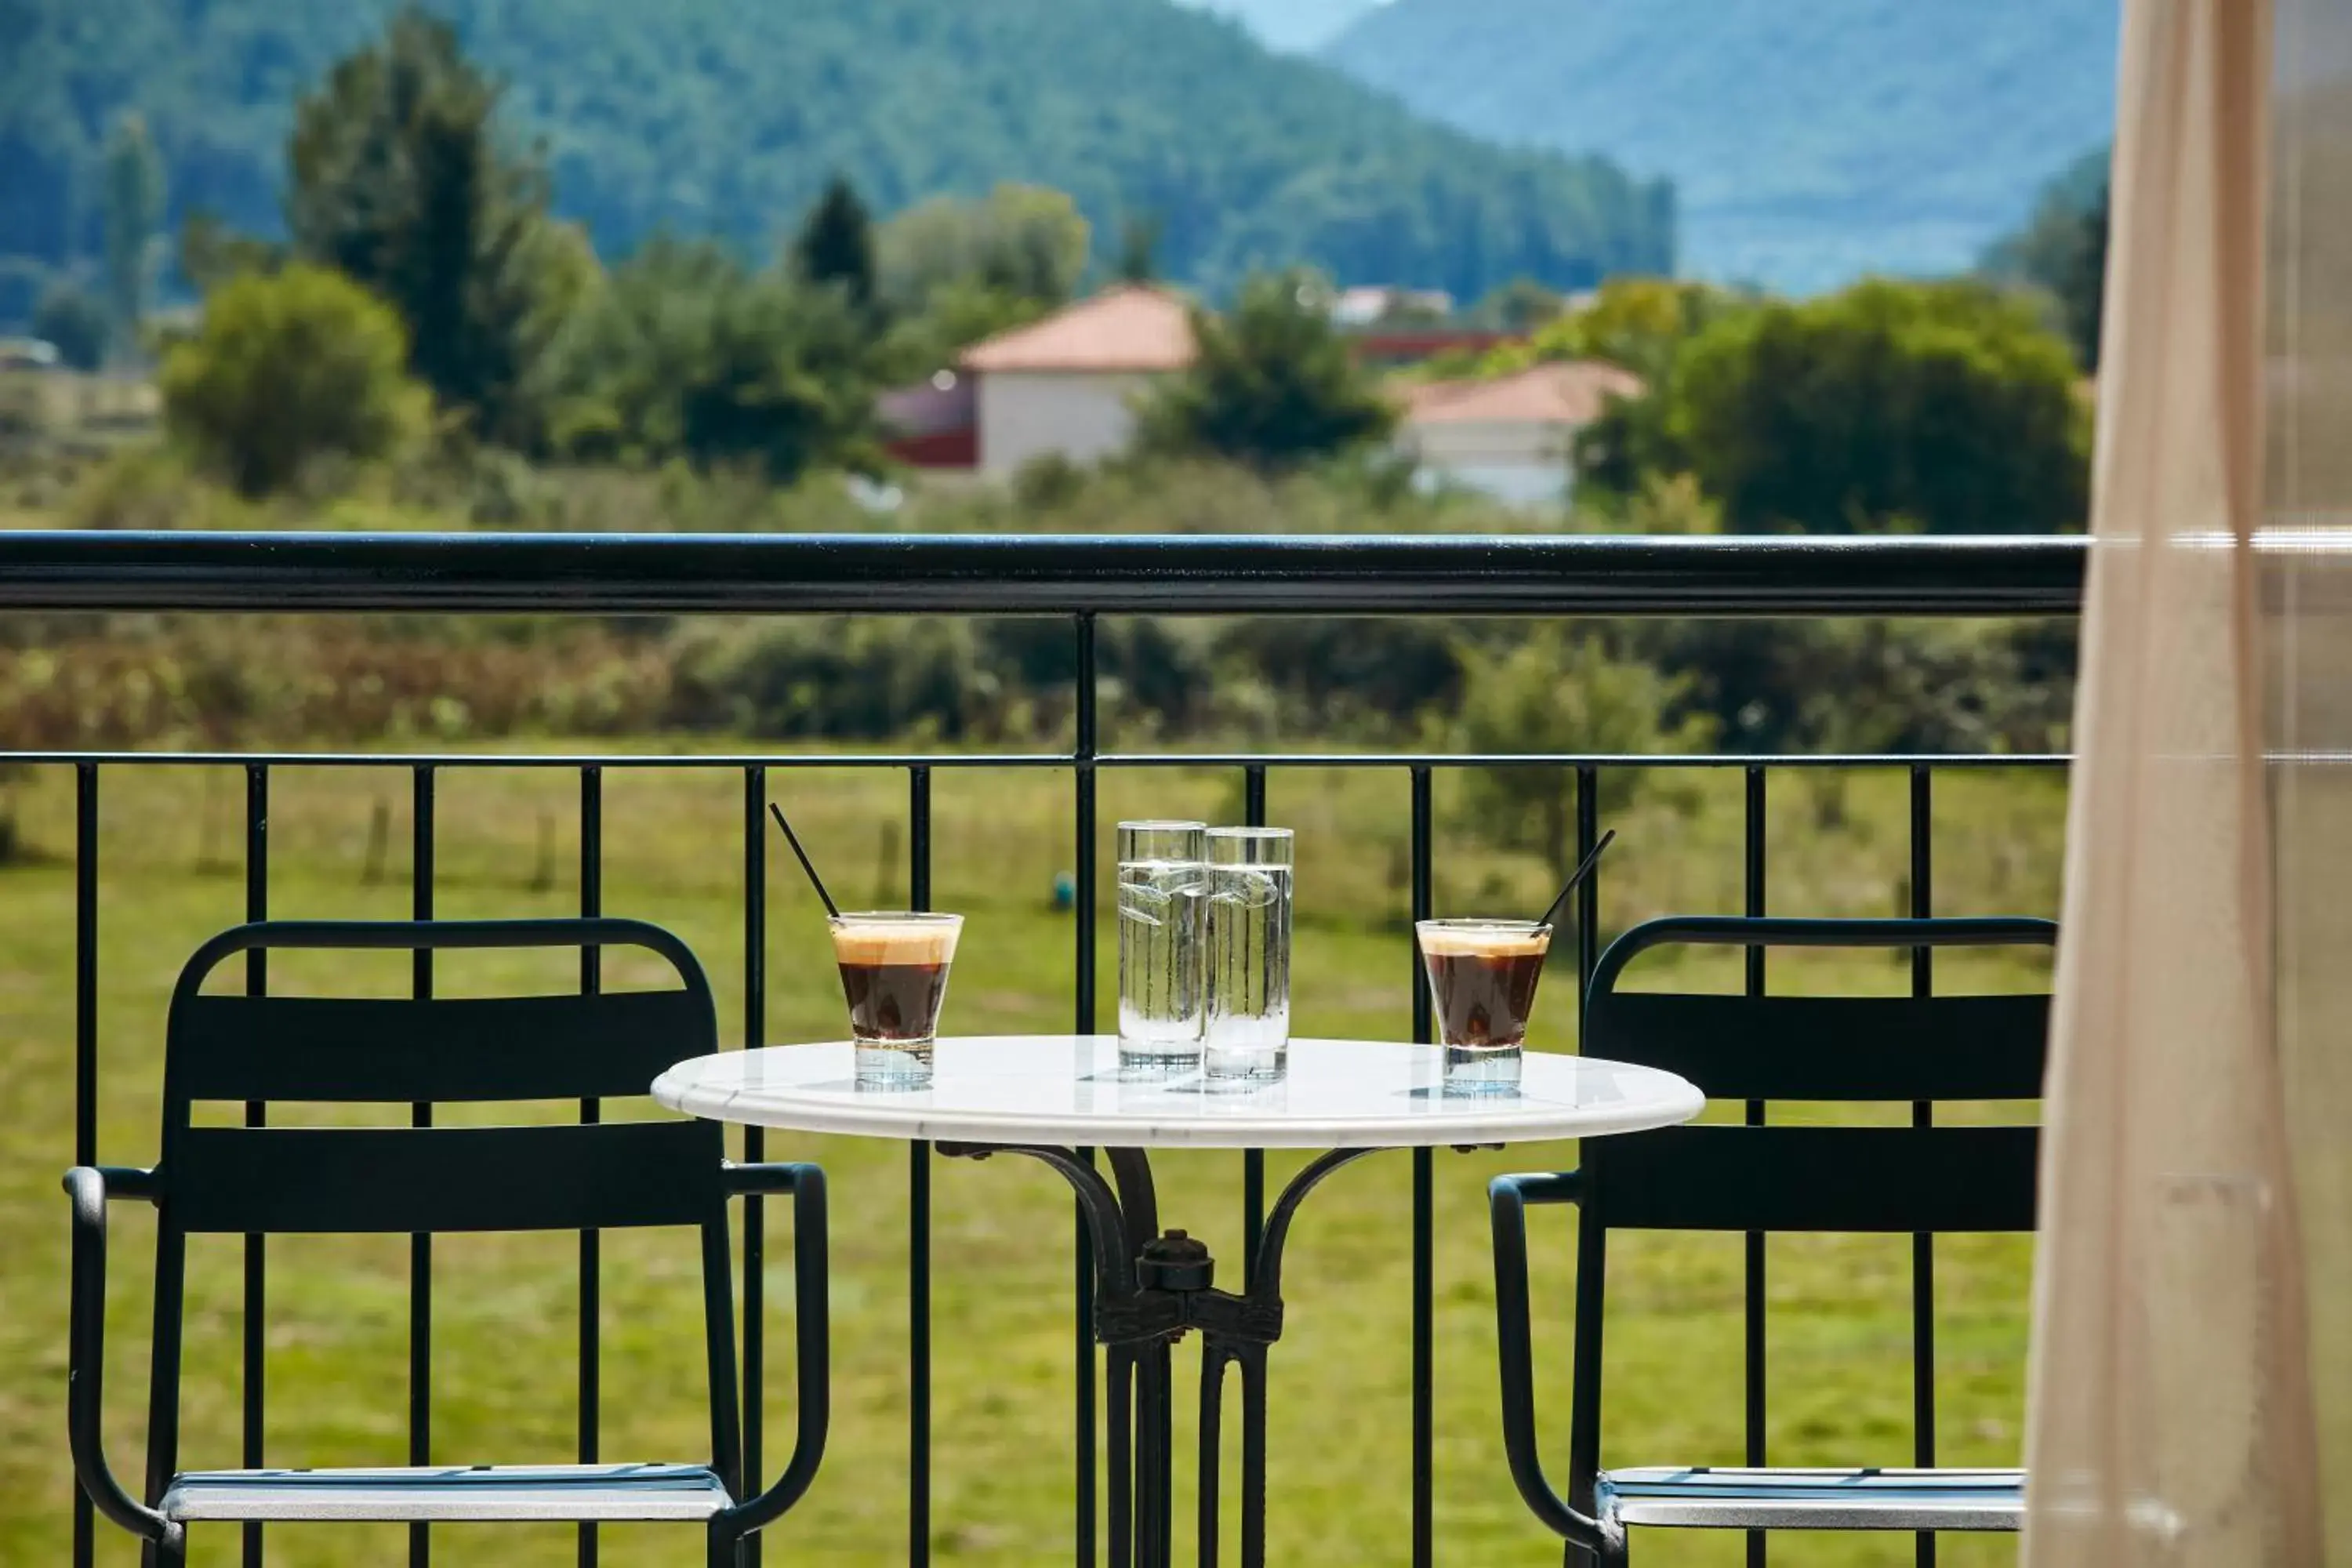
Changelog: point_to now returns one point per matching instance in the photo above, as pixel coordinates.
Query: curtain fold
(2188, 1378)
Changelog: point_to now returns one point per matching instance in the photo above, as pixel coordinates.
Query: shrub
(287, 369)
(685, 355)
(1273, 385)
(73, 321)
(833, 677)
(1945, 408)
(1554, 694)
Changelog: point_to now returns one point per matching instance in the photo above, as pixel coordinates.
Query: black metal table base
(1149, 1293)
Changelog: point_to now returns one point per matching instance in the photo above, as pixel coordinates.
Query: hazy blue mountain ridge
(1810, 139)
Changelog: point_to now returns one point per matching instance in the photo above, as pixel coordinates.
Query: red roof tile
(1562, 392)
(1132, 327)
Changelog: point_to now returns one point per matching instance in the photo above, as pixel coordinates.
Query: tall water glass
(1247, 1041)
(1162, 886)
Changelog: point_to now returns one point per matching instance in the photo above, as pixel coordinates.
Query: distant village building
(1366, 305)
(933, 424)
(1511, 437)
(1067, 385)
(27, 353)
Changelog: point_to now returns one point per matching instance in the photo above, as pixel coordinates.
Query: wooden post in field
(886, 877)
(378, 843)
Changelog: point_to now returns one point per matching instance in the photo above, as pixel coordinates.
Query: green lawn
(506, 1307)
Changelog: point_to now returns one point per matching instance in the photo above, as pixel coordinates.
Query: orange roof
(1562, 392)
(1132, 327)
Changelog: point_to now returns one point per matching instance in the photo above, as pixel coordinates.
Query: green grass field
(506, 1317)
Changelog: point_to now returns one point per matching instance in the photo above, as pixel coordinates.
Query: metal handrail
(1543, 574)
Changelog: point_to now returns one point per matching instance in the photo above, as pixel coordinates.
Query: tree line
(725, 117)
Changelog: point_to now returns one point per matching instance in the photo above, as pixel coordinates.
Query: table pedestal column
(1150, 1288)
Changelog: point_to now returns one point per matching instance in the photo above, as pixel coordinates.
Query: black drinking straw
(1549, 915)
(806, 865)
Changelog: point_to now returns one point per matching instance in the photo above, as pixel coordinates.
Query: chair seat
(1703, 1497)
(457, 1492)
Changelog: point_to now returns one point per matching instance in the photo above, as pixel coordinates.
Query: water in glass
(1161, 892)
(1247, 1039)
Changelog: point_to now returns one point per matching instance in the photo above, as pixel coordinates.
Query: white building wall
(1523, 464)
(1084, 416)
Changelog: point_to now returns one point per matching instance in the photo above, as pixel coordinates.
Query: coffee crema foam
(1484, 942)
(869, 943)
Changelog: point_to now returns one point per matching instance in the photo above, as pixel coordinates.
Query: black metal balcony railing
(1081, 578)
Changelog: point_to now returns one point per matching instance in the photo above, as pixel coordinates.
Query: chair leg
(726, 1550)
(1576, 1556)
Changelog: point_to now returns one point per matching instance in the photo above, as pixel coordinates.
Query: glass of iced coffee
(894, 972)
(1481, 983)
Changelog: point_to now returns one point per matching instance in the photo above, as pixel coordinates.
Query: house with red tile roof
(1067, 385)
(1511, 436)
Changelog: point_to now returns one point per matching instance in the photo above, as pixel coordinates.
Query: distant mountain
(1294, 26)
(726, 116)
(1810, 139)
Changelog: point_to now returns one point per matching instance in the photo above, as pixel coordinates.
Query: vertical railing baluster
(1753, 835)
(1923, 1114)
(1253, 1160)
(1425, 1369)
(591, 978)
(257, 1280)
(1082, 758)
(85, 1133)
(1588, 896)
(420, 1114)
(919, 1222)
(755, 1142)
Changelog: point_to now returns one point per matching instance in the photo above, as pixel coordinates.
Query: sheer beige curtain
(2190, 1376)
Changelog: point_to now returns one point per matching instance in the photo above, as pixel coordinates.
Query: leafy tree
(1640, 323)
(1138, 248)
(22, 280)
(2063, 251)
(72, 320)
(685, 353)
(1555, 692)
(290, 367)
(1024, 242)
(396, 178)
(1520, 305)
(211, 252)
(134, 217)
(958, 316)
(836, 244)
(1947, 408)
(1272, 386)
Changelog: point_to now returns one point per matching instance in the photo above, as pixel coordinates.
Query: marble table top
(1070, 1090)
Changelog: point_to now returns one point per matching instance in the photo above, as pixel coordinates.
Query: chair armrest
(89, 1187)
(811, 1336)
(1508, 1197)
(744, 1181)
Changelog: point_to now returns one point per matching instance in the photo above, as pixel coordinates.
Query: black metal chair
(1917, 1179)
(247, 1181)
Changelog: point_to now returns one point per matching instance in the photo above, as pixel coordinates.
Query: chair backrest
(1759, 1178)
(580, 1045)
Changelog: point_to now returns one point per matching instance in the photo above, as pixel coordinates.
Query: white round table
(1045, 1096)
(1067, 1088)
